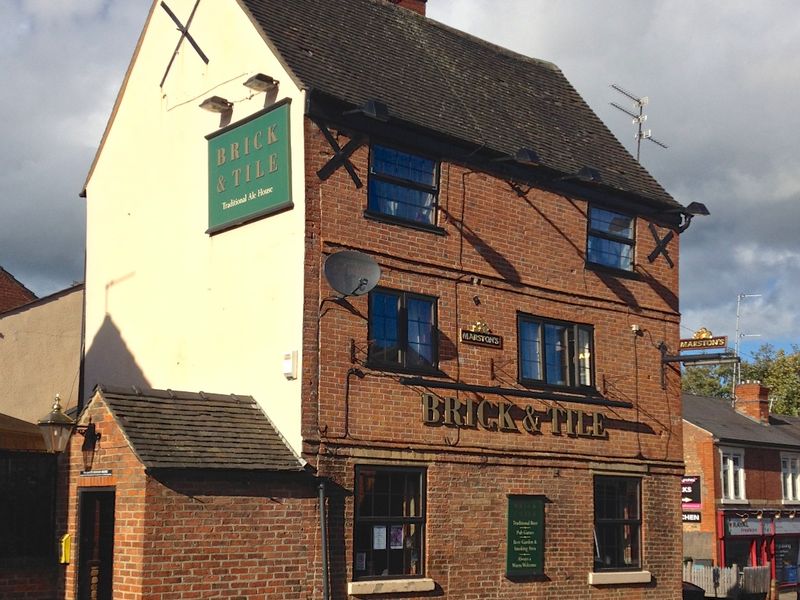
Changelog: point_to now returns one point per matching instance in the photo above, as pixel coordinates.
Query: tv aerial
(639, 102)
(351, 273)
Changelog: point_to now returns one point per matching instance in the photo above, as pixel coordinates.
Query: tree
(711, 381)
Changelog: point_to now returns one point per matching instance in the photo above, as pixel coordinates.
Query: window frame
(404, 183)
(792, 461)
(727, 476)
(574, 363)
(402, 323)
(370, 521)
(591, 232)
(636, 522)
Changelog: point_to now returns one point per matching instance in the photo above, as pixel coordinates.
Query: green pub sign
(249, 173)
(525, 550)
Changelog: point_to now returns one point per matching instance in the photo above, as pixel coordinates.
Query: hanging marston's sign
(704, 343)
(504, 416)
(480, 338)
(248, 169)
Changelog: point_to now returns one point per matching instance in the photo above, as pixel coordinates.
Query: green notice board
(249, 174)
(525, 550)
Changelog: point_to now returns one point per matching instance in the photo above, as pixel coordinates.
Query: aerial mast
(639, 102)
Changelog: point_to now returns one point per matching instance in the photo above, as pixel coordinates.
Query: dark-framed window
(402, 186)
(610, 241)
(402, 330)
(555, 353)
(27, 500)
(617, 523)
(389, 536)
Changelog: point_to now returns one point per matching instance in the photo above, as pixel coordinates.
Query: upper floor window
(610, 241)
(732, 473)
(554, 352)
(402, 185)
(790, 477)
(617, 523)
(402, 330)
(389, 522)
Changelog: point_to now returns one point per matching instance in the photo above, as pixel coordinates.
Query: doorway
(95, 544)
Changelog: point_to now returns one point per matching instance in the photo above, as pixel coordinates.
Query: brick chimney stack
(417, 6)
(752, 399)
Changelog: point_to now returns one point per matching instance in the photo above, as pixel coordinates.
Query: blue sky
(722, 79)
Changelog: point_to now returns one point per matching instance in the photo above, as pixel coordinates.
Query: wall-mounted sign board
(249, 170)
(525, 541)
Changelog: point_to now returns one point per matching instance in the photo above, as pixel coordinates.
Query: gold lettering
(246, 146)
(259, 169)
(235, 151)
(247, 172)
(598, 426)
(558, 417)
(470, 413)
(236, 174)
(257, 144)
(220, 184)
(570, 422)
(271, 137)
(220, 156)
(430, 409)
(273, 163)
(582, 431)
(504, 418)
(483, 420)
(452, 414)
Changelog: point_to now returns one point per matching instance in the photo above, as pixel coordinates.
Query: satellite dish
(351, 273)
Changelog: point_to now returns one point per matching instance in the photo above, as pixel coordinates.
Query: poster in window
(379, 537)
(396, 537)
(361, 561)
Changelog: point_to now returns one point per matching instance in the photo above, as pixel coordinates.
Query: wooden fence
(728, 582)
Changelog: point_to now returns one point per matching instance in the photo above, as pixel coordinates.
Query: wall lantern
(56, 428)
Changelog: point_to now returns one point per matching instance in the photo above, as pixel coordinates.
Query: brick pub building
(491, 420)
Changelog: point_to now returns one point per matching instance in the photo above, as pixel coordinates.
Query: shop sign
(478, 338)
(691, 517)
(743, 526)
(508, 417)
(525, 539)
(690, 493)
(704, 344)
(249, 169)
(785, 525)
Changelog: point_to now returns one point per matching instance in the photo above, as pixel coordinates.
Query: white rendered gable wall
(167, 305)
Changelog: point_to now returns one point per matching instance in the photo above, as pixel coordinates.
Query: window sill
(380, 217)
(390, 586)
(390, 368)
(619, 577)
(742, 501)
(790, 502)
(624, 273)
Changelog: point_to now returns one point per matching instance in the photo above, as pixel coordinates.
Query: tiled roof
(717, 416)
(168, 429)
(448, 82)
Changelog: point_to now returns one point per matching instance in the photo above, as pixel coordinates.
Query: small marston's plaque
(525, 550)
(481, 339)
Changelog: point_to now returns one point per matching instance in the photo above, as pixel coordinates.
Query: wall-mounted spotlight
(585, 175)
(690, 212)
(261, 83)
(216, 104)
(523, 156)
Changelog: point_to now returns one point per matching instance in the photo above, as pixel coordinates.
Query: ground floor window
(739, 552)
(786, 560)
(617, 523)
(389, 532)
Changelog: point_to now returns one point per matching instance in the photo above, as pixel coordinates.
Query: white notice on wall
(379, 537)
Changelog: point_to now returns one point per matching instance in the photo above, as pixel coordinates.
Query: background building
(744, 464)
(493, 418)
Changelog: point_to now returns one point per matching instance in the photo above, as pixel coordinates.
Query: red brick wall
(12, 292)
(529, 256)
(762, 471)
(231, 536)
(702, 458)
(29, 580)
(197, 534)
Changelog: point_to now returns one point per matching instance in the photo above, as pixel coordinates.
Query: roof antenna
(639, 103)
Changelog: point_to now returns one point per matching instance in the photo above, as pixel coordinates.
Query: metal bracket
(711, 358)
(341, 157)
(661, 246)
(184, 29)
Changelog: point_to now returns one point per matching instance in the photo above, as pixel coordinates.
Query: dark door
(96, 545)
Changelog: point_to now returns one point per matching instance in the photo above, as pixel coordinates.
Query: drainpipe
(324, 541)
